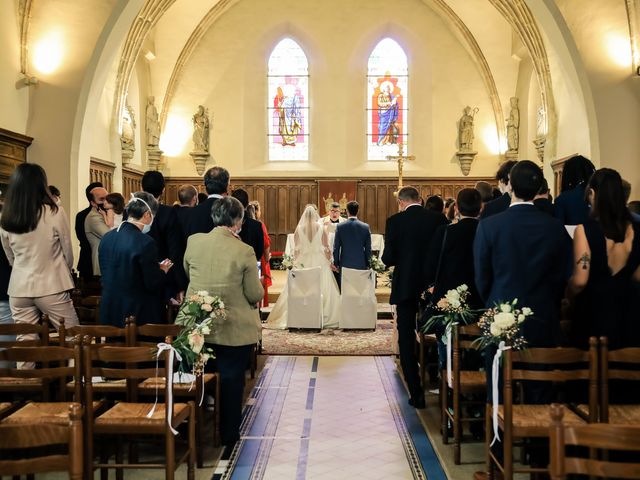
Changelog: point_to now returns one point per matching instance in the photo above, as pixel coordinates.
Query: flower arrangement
(454, 308)
(503, 323)
(288, 263)
(201, 311)
(376, 264)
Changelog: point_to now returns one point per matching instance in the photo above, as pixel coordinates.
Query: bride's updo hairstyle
(227, 212)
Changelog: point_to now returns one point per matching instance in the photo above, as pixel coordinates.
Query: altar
(377, 243)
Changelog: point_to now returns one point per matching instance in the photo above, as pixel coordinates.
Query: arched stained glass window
(387, 79)
(288, 102)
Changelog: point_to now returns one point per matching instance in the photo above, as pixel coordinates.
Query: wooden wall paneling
(132, 182)
(557, 166)
(13, 152)
(102, 171)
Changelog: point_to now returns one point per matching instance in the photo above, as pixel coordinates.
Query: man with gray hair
(407, 236)
(132, 278)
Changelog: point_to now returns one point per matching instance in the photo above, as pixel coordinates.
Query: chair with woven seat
(625, 414)
(37, 435)
(206, 382)
(424, 341)
(597, 436)
(131, 418)
(463, 382)
(522, 421)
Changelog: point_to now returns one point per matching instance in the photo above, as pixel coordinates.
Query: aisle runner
(331, 418)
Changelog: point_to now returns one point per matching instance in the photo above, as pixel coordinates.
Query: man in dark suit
(520, 254)
(216, 183)
(132, 278)
(407, 234)
(251, 232)
(85, 266)
(188, 198)
(167, 235)
(500, 204)
(352, 242)
(542, 200)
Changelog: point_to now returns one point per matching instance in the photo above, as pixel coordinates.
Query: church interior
(308, 102)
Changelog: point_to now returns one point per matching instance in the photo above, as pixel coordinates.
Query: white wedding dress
(311, 249)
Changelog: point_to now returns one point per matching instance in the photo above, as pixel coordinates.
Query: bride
(311, 249)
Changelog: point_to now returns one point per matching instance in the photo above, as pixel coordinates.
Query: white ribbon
(449, 374)
(169, 373)
(495, 372)
(202, 393)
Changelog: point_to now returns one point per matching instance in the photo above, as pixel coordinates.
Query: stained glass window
(288, 102)
(387, 79)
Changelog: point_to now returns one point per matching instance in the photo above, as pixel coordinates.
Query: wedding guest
(167, 235)
(36, 239)
(234, 277)
(251, 232)
(55, 193)
(96, 225)
(114, 204)
(407, 235)
(216, 183)
(352, 243)
(187, 199)
(516, 255)
(542, 200)
(265, 266)
(435, 203)
(132, 279)
(486, 191)
(450, 210)
(607, 259)
(202, 197)
(501, 203)
(571, 206)
(85, 265)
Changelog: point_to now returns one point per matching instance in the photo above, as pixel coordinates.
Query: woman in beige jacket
(220, 263)
(35, 235)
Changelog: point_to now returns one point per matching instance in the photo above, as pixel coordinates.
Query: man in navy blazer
(216, 182)
(500, 204)
(352, 242)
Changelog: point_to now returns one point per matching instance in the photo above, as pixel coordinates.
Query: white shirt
(513, 204)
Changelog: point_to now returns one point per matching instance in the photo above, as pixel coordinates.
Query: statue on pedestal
(153, 124)
(128, 135)
(201, 130)
(513, 126)
(466, 154)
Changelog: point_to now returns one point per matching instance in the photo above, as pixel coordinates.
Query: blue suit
(571, 208)
(132, 281)
(352, 245)
(496, 206)
(520, 253)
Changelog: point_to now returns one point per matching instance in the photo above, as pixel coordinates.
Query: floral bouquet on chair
(503, 324)
(454, 309)
(201, 312)
(289, 263)
(376, 264)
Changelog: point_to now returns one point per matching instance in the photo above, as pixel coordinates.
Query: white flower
(209, 299)
(196, 342)
(495, 329)
(526, 311)
(504, 320)
(206, 307)
(521, 318)
(452, 295)
(202, 293)
(205, 330)
(463, 288)
(220, 304)
(505, 307)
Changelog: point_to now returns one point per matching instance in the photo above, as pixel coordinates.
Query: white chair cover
(359, 305)
(304, 300)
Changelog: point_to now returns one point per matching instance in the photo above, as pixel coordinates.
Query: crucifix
(400, 158)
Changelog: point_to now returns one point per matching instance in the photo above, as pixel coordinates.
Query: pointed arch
(288, 102)
(387, 100)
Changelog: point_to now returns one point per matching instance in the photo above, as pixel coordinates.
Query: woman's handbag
(429, 309)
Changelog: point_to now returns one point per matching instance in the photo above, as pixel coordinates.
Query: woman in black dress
(607, 262)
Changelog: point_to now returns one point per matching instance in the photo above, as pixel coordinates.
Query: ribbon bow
(495, 372)
(169, 396)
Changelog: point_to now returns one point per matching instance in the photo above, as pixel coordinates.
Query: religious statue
(387, 114)
(153, 125)
(343, 203)
(327, 202)
(540, 122)
(201, 130)
(127, 138)
(513, 124)
(465, 129)
(287, 105)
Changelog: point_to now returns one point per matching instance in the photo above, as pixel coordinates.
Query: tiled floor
(332, 418)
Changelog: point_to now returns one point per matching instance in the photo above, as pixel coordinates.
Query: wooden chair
(424, 342)
(37, 435)
(618, 414)
(130, 418)
(87, 308)
(464, 382)
(208, 382)
(595, 437)
(54, 364)
(520, 421)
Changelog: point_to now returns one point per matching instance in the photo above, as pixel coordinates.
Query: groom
(352, 243)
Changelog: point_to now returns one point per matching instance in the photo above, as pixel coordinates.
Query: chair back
(463, 338)
(596, 436)
(557, 363)
(304, 300)
(36, 435)
(629, 357)
(103, 334)
(150, 333)
(12, 330)
(359, 307)
(52, 362)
